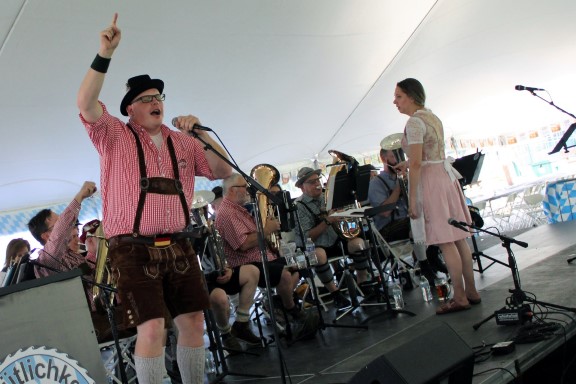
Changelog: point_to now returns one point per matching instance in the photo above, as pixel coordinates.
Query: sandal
(474, 301)
(450, 307)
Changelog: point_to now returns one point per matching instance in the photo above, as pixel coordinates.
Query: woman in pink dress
(435, 194)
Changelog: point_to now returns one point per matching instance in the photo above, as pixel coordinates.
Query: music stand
(345, 189)
(348, 187)
(469, 167)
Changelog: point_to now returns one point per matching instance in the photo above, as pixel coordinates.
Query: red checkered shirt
(120, 175)
(235, 223)
(55, 253)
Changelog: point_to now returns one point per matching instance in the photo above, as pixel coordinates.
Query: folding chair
(112, 361)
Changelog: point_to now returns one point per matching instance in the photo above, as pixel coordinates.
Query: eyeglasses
(239, 186)
(312, 181)
(149, 98)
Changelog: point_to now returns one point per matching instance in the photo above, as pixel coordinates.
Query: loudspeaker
(424, 353)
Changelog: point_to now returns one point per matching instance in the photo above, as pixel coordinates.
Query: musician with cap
(147, 179)
(317, 224)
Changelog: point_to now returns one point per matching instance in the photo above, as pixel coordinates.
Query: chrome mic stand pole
(260, 230)
(255, 186)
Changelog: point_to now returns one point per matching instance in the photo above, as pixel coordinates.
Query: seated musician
(240, 238)
(99, 316)
(394, 224)
(242, 280)
(318, 226)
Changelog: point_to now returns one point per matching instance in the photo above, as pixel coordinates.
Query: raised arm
(91, 86)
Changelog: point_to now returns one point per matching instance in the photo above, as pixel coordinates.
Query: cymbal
(202, 199)
(391, 142)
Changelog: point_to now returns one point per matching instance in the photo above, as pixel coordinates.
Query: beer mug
(442, 289)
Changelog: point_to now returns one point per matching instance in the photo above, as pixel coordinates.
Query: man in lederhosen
(147, 183)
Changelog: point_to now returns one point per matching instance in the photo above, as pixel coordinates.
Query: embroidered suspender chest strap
(389, 193)
(317, 219)
(160, 185)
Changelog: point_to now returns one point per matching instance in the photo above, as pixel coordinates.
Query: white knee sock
(149, 370)
(191, 364)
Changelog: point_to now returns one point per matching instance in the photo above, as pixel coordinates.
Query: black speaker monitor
(425, 353)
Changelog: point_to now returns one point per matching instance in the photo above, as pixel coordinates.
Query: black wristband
(100, 64)
(327, 222)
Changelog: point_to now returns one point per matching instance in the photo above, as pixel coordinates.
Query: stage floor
(336, 354)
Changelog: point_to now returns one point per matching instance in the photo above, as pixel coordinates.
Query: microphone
(196, 126)
(457, 224)
(531, 89)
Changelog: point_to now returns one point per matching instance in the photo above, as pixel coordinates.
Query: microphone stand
(518, 295)
(253, 188)
(562, 142)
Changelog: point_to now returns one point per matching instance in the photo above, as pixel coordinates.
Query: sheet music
(353, 212)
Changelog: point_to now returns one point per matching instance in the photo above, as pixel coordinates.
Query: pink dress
(440, 197)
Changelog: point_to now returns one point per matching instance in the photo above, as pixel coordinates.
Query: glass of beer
(442, 289)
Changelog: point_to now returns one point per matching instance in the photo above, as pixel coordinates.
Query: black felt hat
(217, 192)
(135, 86)
(305, 173)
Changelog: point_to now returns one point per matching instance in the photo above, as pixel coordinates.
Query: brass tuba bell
(267, 175)
(102, 272)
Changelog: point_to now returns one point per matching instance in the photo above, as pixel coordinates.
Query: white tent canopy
(279, 81)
